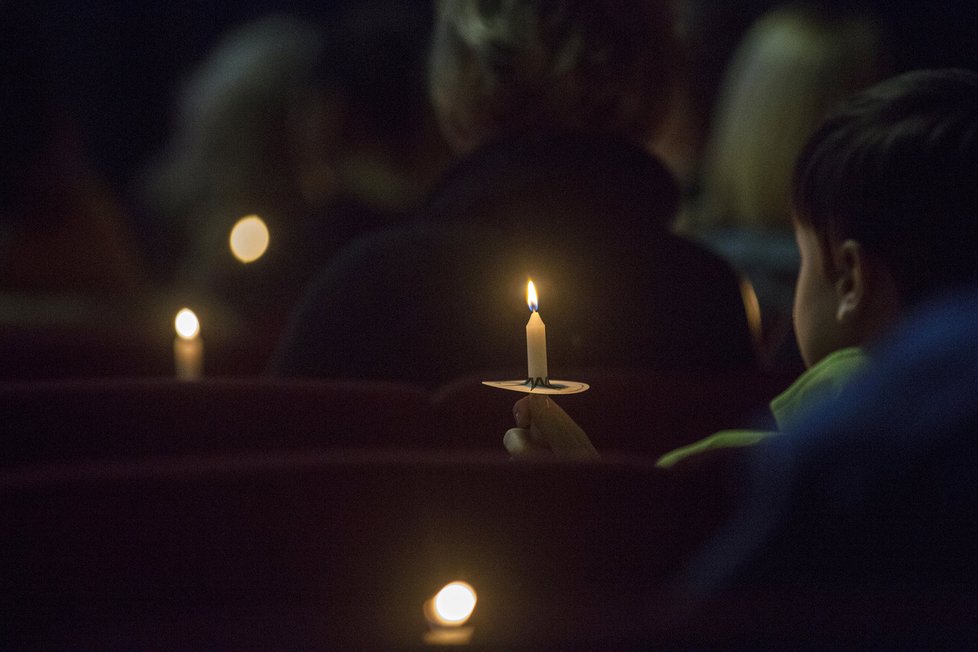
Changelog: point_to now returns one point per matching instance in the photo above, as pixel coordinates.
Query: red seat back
(332, 550)
(126, 418)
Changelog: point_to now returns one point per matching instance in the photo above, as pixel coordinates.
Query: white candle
(188, 347)
(536, 338)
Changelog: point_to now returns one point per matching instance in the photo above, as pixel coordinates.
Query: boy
(885, 203)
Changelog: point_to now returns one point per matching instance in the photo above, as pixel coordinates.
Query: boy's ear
(850, 284)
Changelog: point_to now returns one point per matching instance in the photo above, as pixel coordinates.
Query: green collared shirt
(824, 380)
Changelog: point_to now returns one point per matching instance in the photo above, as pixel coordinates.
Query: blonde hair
(791, 68)
(519, 65)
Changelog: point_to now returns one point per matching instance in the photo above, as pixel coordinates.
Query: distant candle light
(188, 348)
(447, 614)
(454, 604)
(187, 324)
(249, 239)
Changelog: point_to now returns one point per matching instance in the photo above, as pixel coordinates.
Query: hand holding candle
(188, 348)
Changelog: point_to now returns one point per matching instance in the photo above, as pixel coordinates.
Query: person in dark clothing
(555, 184)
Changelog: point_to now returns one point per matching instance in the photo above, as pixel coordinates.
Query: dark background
(115, 66)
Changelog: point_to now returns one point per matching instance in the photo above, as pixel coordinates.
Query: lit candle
(188, 347)
(536, 339)
(447, 614)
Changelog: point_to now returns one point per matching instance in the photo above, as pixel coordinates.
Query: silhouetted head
(511, 66)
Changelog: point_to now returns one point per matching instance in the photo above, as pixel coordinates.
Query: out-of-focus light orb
(249, 239)
(187, 324)
(454, 603)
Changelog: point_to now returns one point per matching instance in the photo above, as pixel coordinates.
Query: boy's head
(885, 204)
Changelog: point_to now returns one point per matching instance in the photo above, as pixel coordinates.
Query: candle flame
(187, 324)
(454, 604)
(531, 297)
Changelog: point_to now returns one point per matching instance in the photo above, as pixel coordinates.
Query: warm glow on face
(187, 325)
(531, 297)
(454, 603)
(249, 239)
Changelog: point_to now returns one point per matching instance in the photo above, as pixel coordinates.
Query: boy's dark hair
(896, 169)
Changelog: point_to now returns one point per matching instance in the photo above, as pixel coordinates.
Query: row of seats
(334, 550)
(121, 418)
(264, 513)
(268, 514)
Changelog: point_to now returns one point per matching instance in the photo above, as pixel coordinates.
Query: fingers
(542, 426)
(552, 426)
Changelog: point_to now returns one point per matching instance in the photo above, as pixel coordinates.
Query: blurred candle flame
(249, 239)
(187, 324)
(454, 604)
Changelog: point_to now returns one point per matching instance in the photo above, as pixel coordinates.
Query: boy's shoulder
(823, 381)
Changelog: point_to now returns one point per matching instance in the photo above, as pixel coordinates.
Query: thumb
(519, 444)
